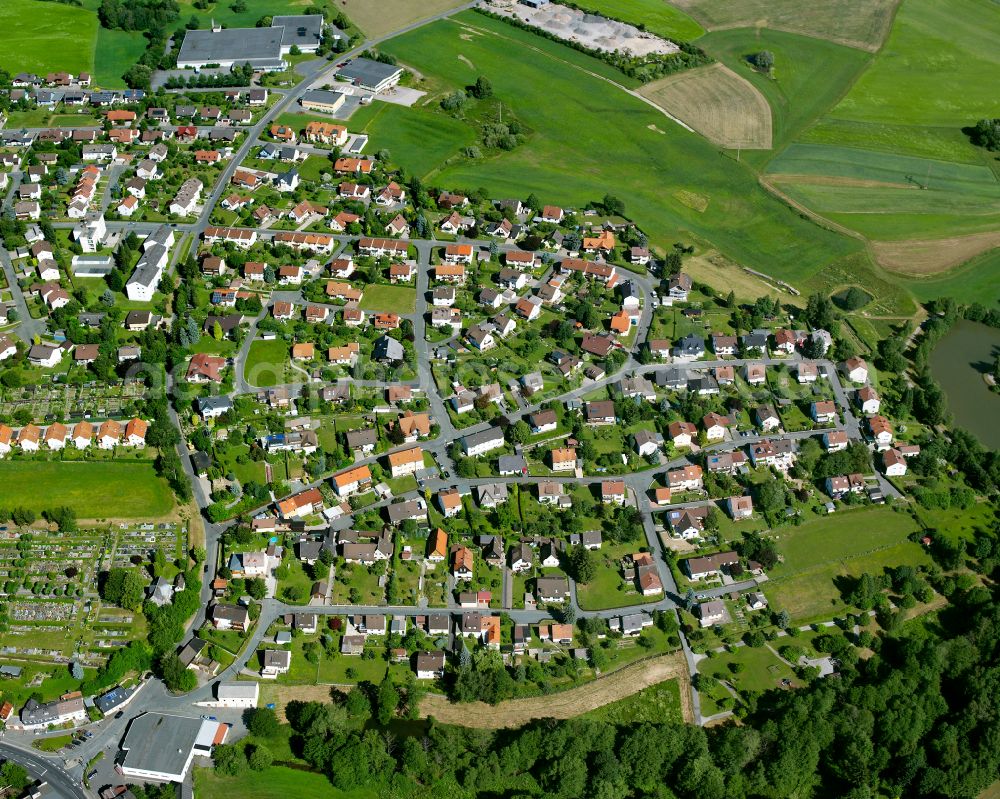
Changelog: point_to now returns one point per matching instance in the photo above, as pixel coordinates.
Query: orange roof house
(621, 322)
(605, 241)
(303, 351)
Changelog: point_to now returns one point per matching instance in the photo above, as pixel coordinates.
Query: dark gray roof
(304, 30)
(366, 72)
(160, 742)
(259, 46)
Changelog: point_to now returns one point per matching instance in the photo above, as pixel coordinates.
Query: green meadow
(87, 486)
(890, 159)
(588, 137)
(939, 67)
(46, 37)
(655, 15)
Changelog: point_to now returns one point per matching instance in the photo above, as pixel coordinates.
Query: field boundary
(619, 684)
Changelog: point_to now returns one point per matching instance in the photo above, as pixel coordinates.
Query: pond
(958, 363)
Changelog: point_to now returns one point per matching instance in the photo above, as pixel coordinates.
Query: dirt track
(566, 704)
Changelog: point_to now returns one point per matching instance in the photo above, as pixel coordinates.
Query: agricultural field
(46, 37)
(933, 48)
(719, 104)
(889, 196)
(85, 486)
(808, 78)
(654, 15)
(380, 19)
(821, 550)
(116, 52)
(974, 281)
(855, 23)
(653, 162)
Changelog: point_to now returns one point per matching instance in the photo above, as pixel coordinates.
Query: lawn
(46, 37)
(86, 486)
(277, 782)
(762, 669)
(608, 589)
(380, 297)
(654, 158)
(655, 15)
(657, 704)
(267, 363)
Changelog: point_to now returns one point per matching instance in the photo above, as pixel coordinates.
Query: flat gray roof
(232, 44)
(366, 72)
(304, 30)
(160, 742)
(323, 96)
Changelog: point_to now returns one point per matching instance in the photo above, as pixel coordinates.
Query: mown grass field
(721, 105)
(655, 15)
(857, 23)
(42, 37)
(267, 363)
(618, 142)
(848, 543)
(87, 487)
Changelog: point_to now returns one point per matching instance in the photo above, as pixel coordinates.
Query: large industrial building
(371, 75)
(262, 48)
(161, 746)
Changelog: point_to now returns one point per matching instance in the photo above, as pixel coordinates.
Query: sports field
(655, 15)
(722, 106)
(88, 487)
(856, 23)
(42, 37)
(848, 543)
(588, 135)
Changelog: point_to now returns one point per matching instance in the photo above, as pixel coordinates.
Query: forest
(911, 712)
